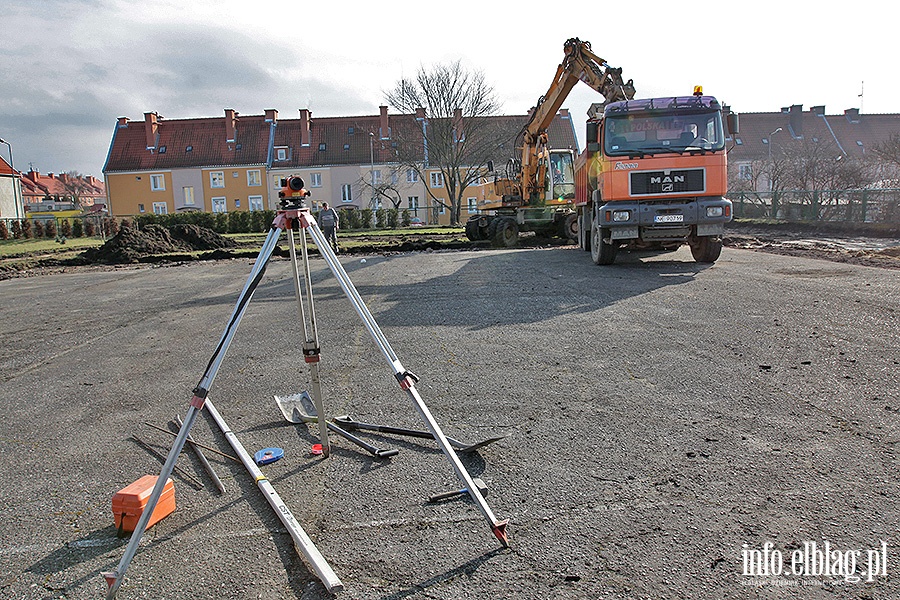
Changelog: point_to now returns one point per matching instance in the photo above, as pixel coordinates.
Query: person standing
(329, 222)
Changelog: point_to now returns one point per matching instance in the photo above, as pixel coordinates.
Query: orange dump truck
(654, 175)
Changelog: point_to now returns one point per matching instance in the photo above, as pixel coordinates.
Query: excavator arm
(579, 64)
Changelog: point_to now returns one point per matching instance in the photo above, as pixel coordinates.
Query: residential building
(237, 162)
(41, 192)
(11, 206)
(766, 138)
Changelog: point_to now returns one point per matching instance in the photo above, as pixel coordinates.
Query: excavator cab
(561, 178)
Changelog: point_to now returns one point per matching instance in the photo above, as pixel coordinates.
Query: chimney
(458, 133)
(796, 120)
(305, 116)
(271, 115)
(151, 127)
(817, 110)
(230, 124)
(420, 114)
(564, 113)
(384, 129)
(852, 115)
(122, 122)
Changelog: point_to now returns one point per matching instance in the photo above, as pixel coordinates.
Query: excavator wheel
(473, 229)
(506, 232)
(568, 228)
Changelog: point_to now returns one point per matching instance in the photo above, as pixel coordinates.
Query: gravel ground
(665, 421)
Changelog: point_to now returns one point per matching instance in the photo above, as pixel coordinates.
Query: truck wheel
(506, 234)
(706, 249)
(568, 227)
(601, 252)
(584, 232)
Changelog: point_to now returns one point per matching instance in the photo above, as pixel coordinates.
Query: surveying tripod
(293, 216)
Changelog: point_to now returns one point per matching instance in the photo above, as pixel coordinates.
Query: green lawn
(22, 247)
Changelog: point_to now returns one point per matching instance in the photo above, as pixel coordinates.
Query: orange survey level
(128, 503)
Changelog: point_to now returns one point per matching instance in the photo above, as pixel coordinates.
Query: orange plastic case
(128, 503)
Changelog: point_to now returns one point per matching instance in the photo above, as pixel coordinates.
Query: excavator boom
(579, 64)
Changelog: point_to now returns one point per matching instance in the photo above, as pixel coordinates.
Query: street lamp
(12, 163)
(372, 167)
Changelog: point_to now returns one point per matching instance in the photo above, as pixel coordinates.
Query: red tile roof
(333, 141)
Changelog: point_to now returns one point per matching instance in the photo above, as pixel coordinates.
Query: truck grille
(647, 183)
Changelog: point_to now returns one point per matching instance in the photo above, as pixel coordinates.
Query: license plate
(668, 219)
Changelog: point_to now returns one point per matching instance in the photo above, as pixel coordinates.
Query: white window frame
(472, 204)
(219, 204)
(253, 178)
(188, 192)
(346, 193)
(158, 182)
(745, 172)
(413, 202)
(437, 179)
(160, 208)
(315, 180)
(255, 203)
(376, 176)
(281, 153)
(412, 176)
(217, 179)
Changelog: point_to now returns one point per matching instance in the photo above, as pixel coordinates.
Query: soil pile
(132, 245)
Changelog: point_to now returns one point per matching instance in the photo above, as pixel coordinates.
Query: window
(472, 204)
(188, 196)
(217, 179)
(160, 208)
(281, 153)
(346, 146)
(322, 147)
(189, 149)
(237, 202)
(376, 176)
(162, 149)
(158, 183)
(745, 172)
(256, 202)
(413, 202)
(219, 205)
(234, 174)
(253, 178)
(346, 193)
(315, 180)
(276, 181)
(350, 131)
(437, 179)
(140, 208)
(411, 176)
(394, 178)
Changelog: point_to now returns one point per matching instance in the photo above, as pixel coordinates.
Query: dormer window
(322, 147)
(189, 149)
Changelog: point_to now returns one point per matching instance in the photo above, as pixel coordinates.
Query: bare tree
(76, 187)
(455, 137)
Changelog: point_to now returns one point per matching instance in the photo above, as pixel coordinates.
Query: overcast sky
(70, 68)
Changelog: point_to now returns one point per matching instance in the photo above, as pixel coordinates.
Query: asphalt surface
(665, 421)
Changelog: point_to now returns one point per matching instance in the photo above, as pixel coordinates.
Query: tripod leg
(114, 579)
(311, 343)
(406, 379)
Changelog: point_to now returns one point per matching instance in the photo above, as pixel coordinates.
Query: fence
(850, 206)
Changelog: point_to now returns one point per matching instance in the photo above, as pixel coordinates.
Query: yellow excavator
(537, 192)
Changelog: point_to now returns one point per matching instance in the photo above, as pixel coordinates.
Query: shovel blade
(297, 408)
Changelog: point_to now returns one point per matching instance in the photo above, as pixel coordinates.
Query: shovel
(349, 423)
(298, 408)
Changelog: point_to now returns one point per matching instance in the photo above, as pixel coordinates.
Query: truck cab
(654, 175)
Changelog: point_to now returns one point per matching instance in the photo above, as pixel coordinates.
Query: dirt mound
(131, 245)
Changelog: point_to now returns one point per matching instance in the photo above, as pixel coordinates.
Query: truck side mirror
(734, 124)
(591, 131)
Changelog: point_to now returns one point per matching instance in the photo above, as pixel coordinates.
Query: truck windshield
(661, 132)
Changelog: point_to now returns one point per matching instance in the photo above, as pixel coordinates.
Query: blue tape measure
(268, 455)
